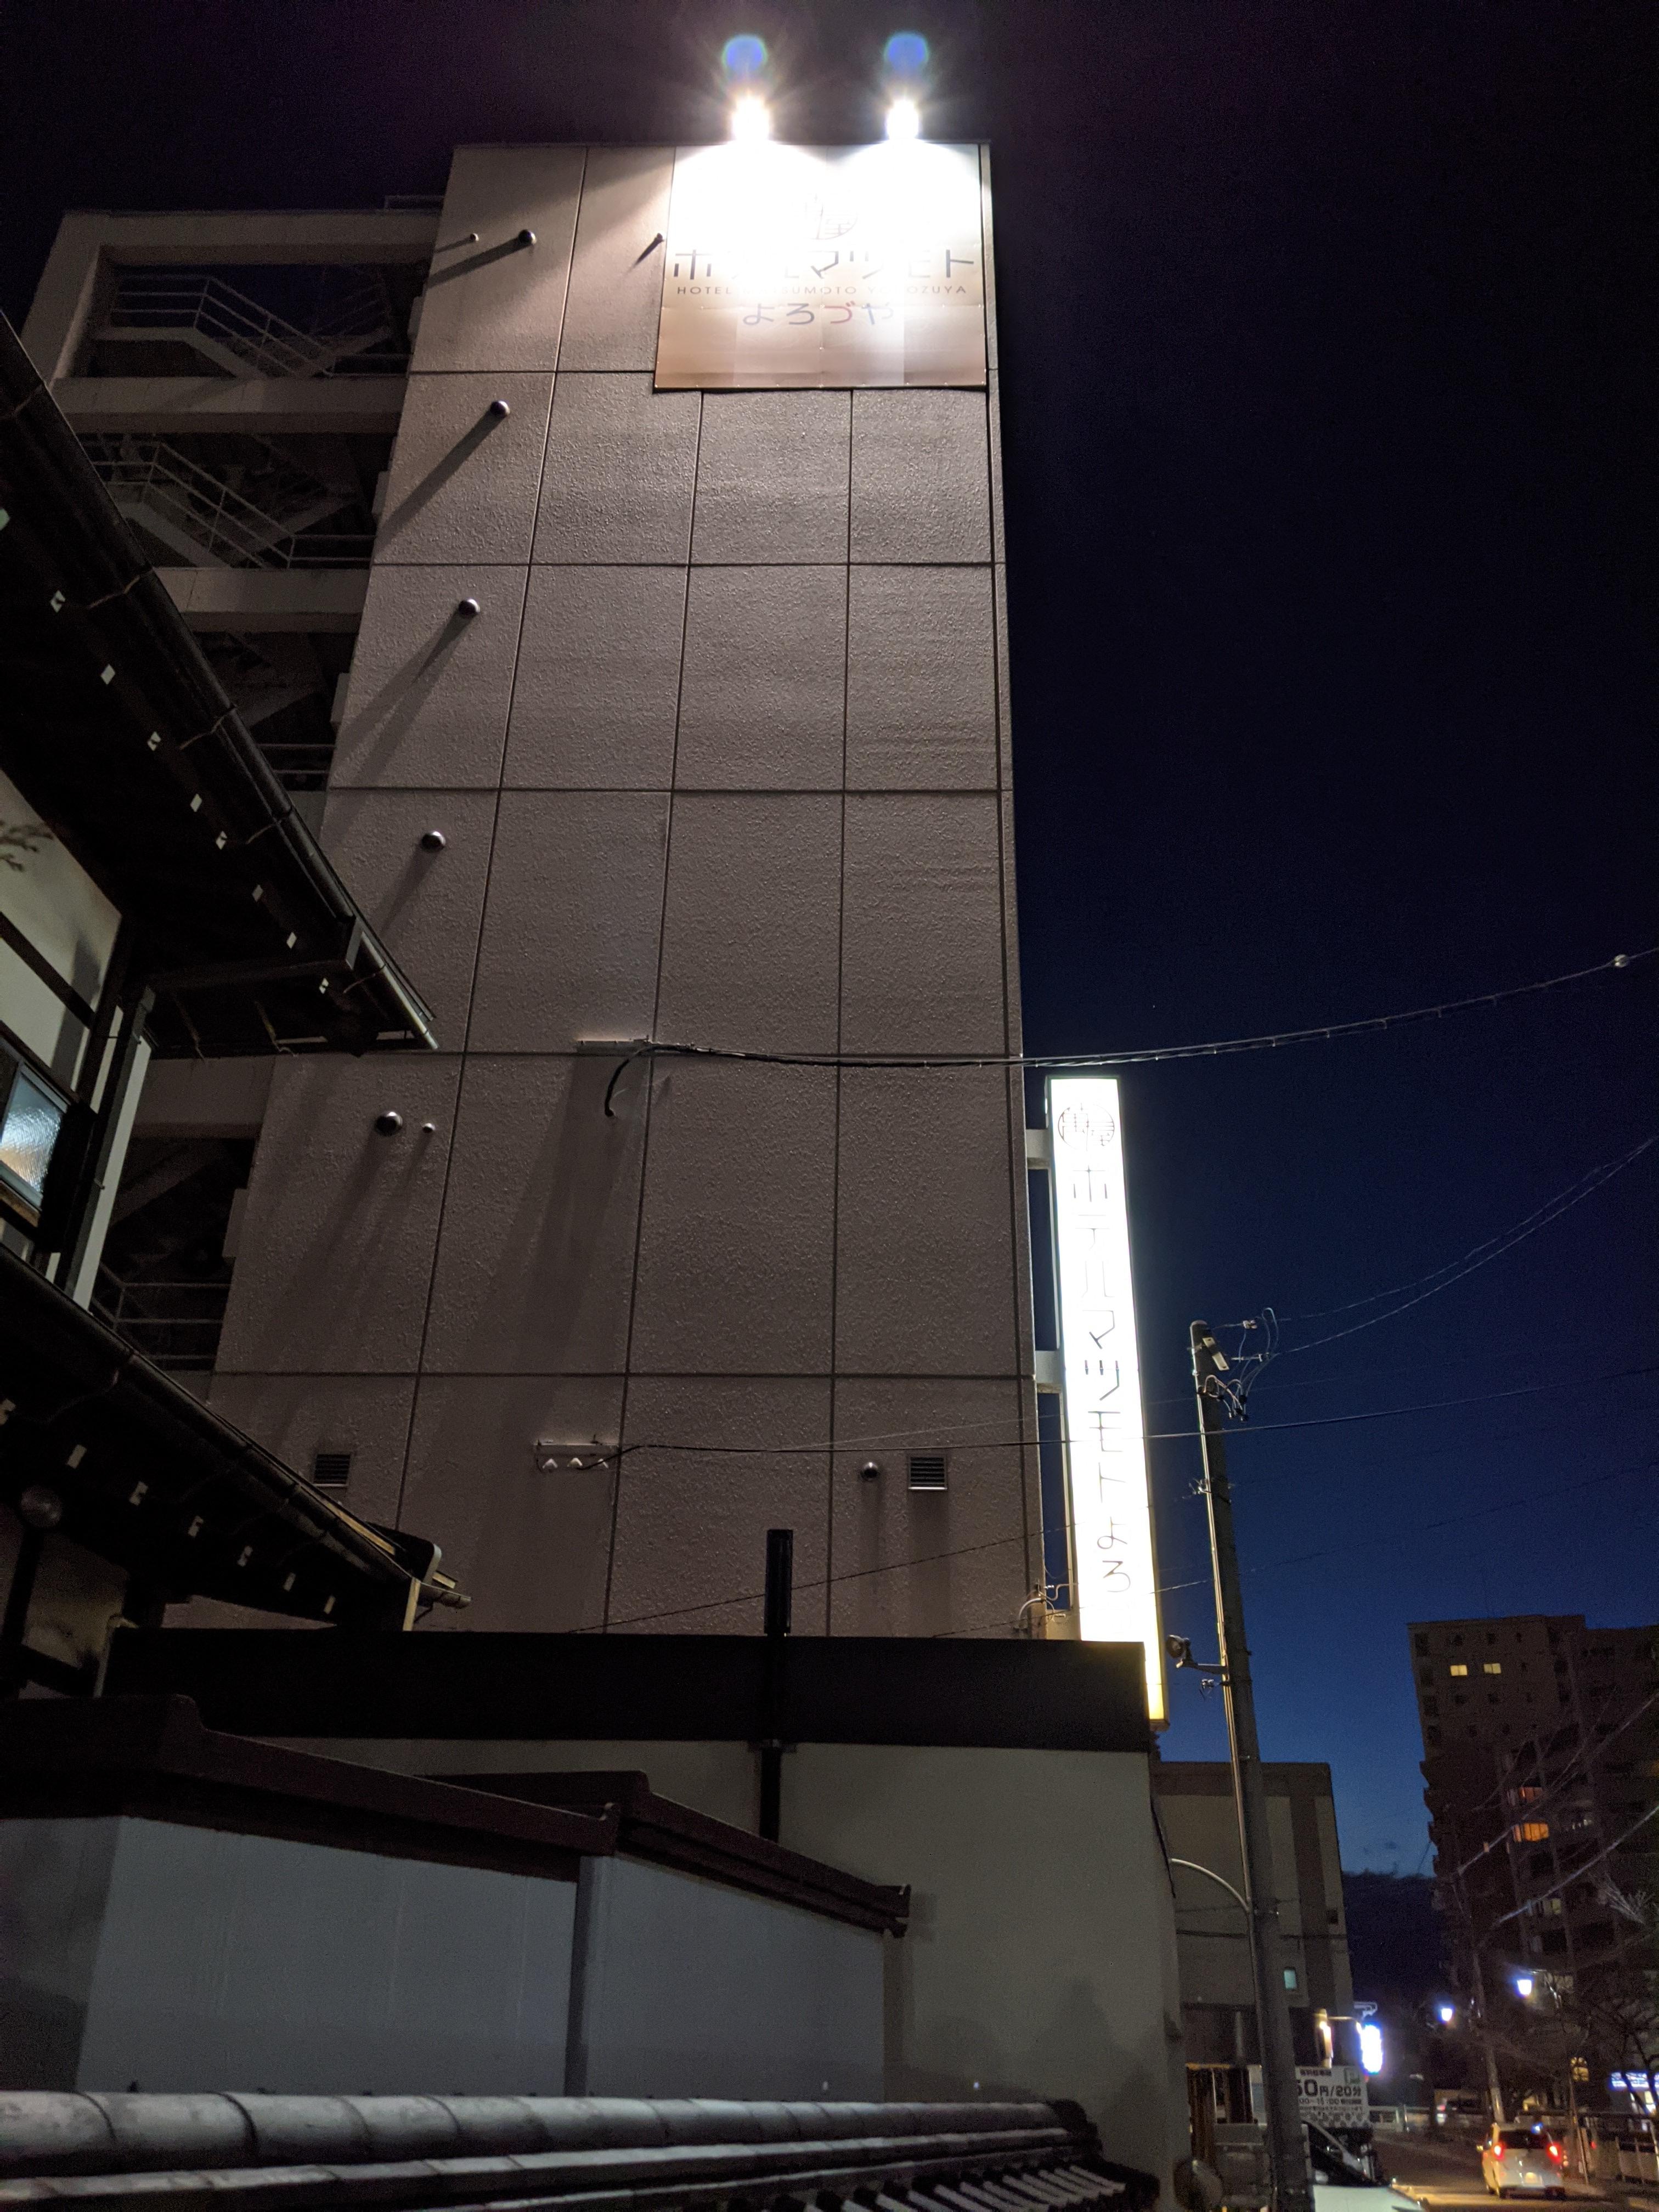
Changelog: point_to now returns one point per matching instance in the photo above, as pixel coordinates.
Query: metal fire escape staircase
(235, 334)
(209, 523)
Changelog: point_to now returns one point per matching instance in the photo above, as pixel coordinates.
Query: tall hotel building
(611, 561)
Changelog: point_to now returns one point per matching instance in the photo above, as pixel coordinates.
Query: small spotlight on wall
(749, 121)
(904, 119)
(1447, 2013)
(1524, 1985)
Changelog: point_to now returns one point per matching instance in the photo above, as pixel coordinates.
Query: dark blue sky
(1326, 339)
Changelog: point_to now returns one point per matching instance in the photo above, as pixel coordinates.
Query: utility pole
(1477, 1976)
(1287, 2144)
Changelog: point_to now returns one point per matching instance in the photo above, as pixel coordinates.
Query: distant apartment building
(1541, 1740)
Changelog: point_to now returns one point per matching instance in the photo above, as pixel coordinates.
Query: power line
(1150, 1435)
(1428, 1528)
(1579, 1872)
(1142, 1056)
(1001, 1543)
(1454, 1271)
(1536, 1806)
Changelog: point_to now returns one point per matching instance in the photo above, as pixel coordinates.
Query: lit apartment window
(1491, 1666)
(1532, 1832)
(1459, 1667)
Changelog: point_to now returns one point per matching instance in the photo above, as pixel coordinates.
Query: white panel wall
(159, 1957)
(686, 1989)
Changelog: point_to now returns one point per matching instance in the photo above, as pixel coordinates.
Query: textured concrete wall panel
(920, 680)
(297, 1416)
(692, 1527)
(535, 1254)
(620, 463)
(431, 685)
(761, 698)
(920, 482)
(597, 695)
(464, 482)
(572, 923)
(922, 955)
(492, 302)
(772, 478)
(751, 952)
(736, 1258)
(428, 907)
(925, 1258)
(341, 1222)
(972, 1545)
(615, 279)
(532, 1547)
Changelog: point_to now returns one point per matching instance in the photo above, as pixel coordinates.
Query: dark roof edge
(671, 1834)
(152, 1756)
(117, 580)
(110, 1364)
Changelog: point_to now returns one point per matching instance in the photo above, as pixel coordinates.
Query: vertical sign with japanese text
(1105, 1425)
(802, 266)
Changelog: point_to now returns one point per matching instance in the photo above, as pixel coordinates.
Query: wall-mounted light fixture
(750, 122)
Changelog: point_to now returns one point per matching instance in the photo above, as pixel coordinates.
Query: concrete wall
(146, 1954)
(688, 1988)
(723, 758)
(1040, 1959)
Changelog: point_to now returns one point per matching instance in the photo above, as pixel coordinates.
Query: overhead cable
(1454, 1271)
(1141, 1056)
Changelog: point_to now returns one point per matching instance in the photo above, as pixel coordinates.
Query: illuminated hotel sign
(809, 266)
(1110, 1497)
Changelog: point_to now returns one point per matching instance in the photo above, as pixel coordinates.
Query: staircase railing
(176, 1324)
(155, 302)
(198, 514)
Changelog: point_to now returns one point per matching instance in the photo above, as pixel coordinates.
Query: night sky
(1325, 338)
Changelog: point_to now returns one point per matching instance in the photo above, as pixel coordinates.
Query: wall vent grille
(927, 1471)
(332, 1470)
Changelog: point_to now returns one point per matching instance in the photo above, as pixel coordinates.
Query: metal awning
(158, 1484)
(121, 736)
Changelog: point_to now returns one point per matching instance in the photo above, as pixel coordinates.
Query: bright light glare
(906, 51)
(904, 119)
(1371, 2046)
(1524, 1985)
(749, 120)
(1448, 2015)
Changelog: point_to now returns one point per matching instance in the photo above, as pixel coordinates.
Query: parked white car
(1522, 2161)
(1340, 2183)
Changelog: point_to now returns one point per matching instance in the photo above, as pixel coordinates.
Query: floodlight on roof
(904, 119)
(749, 121)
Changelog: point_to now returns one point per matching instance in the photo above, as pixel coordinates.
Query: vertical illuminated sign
(1105, 1425)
